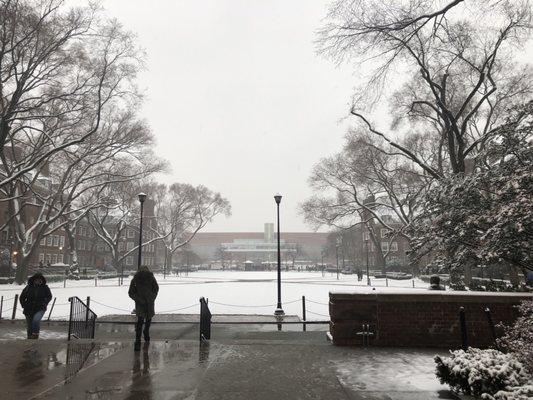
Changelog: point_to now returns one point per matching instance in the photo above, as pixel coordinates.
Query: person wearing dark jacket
(143, 290)
(34, 299)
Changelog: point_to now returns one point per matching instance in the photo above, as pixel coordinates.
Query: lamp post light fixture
(367, 271)
(142, 198)
(279, 311)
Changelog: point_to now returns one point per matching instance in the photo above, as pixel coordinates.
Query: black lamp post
(142, 198)
(337, 244)
(279, 311)
(367, 271)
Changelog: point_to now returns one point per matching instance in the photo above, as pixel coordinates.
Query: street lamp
(337, 244)
(142, 198)
(367, 271)
(279, 311)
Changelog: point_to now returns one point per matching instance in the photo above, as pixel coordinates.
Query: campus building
(258, 247)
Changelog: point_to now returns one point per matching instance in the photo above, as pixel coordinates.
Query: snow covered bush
(518, 339)
(485, 216)
(517, 393)
(477, 372)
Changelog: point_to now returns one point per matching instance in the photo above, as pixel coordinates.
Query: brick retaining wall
(419, 319)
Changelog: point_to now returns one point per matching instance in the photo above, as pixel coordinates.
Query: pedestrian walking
(34, 299)
(143, 290)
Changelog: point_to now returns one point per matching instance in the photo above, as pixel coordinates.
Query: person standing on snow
(34, 299)
(143, 290)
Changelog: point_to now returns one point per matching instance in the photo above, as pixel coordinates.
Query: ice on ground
(229, 292)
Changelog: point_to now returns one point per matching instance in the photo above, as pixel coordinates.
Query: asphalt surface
(240, 362)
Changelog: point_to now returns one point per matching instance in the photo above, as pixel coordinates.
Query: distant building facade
(257, 247)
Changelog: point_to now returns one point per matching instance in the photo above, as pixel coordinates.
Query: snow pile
(487, 373)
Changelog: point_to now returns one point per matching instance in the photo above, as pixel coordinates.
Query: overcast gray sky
(238, 99)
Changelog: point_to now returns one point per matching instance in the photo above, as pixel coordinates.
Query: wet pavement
(239, 363)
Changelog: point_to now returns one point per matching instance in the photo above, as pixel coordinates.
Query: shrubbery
(483, 372)
(518, 339)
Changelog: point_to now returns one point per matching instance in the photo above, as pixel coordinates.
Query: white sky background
(238, 99)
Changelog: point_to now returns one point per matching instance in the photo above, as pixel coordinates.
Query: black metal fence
(205, 320)
(82, 320)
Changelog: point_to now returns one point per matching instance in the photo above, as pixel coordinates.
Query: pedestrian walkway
(241, 364)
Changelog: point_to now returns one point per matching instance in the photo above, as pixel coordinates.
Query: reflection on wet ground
(260, 365)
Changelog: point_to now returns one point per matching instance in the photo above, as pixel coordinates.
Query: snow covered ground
(229, 292)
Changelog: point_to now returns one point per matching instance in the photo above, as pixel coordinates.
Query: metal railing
(82, 320)
(205, 320)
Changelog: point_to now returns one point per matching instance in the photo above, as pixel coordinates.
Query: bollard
(65, 282)
(462, 322)
(303, 313)
(1, 306)
(51, 309)
(413, 283)
(387, 281)
(15, 306)
(88, 304)
(491, 326)
(95, 281)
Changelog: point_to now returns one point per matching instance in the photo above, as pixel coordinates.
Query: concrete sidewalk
(242, 364)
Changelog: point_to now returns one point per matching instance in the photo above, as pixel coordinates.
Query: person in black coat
(34, 299)
(143, 290)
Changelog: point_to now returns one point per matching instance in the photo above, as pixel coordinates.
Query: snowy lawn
(229, 292)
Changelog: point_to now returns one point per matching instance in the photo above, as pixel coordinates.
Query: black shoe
(137, 346)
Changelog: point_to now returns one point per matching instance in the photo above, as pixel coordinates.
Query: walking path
(241, 362)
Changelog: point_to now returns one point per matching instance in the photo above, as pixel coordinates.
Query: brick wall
(420, 319)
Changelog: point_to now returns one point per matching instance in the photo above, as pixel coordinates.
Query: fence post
(51, 309)
(1, 306)
(462, 321)
(491, 326)
(65, 282)
(88, 304)
(95, 281)
(70, 318)
(15, 306)
(413, 283)
(386, 281)
(303, 313)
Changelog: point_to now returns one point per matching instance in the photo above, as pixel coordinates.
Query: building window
(43, 241)
(62, 241)
(41, 257)
(49, 241)
(120, 246)
(129, 245)
(129, 260)
(394, 246)
(384, 233)
(60, 258)
(54, 258)
(56, 240)
(385, 246)
(130, 233)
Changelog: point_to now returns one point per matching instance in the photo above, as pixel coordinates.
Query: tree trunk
(22, 270)
(72, 244)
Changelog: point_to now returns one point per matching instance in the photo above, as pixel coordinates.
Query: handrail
(82, 320)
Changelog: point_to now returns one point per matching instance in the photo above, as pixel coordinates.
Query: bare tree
(183, 210)
(75, 181)
(363, 183)
(458, 59)
(60, 70)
